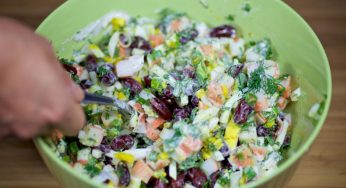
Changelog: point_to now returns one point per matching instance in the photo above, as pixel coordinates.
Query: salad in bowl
(209, 107)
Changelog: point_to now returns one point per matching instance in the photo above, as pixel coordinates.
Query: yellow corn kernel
(94, 107)
(157, 31)
(159, 174)
(126, 157)
(120, 95)
(243, 180)
(206, 154)
(118, 23)
(200, 93)
(119, 116)
(96, 50)
(110, 184)
(231, 134)
(270, 124)
(211, 66)
(167, 125)
(163, 156)
(108, 59)
(94, 47)
(218, 143)
(235, 86)
(224, 90)
(138, 79)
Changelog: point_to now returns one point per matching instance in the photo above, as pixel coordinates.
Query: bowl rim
(44, 149)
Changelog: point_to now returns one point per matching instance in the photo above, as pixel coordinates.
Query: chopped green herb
(66, 158)
(201, 73)
(73, 147)
(258, 80)
(207, 184)
(92, 168)
(153, 156)
(194, 160)
(240, 156)
(116, 123)
(263, 48)
(75, 78)
(250, 99)
(112, 132)
(224, 180)
(197, 57)
(268, 140)
(141, 100)
(249, 174)
(230, 18)
(102, 70)
(158, 84)
(246, 7)
(204, 3)
(155, 54)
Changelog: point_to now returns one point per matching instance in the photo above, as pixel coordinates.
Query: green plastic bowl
(297, 49)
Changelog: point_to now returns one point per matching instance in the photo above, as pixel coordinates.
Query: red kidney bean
(131, 83)
(262, 131)
(69, 68)
(141, 43)
(181, 113)
(161, 108)
(179, 182)
(124, 174)
(242, 112)
(225, 164)
(196, 176)
(108, 79)
(157, 183)
(194, 101)
(147, 81)
(122, 142)
(223, 31)
(236, 69)
(225, 150)
(214, 177)
(91, 63)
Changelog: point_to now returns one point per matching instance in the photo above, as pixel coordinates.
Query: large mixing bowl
(298, 51)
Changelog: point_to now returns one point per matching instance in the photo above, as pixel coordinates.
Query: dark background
(323, 166)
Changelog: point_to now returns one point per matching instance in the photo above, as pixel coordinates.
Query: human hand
(36, 94)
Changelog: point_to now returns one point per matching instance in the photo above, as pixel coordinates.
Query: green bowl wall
(297, 49)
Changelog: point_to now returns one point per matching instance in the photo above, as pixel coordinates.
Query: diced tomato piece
(142, 171)
(152, 134)
(287, 85)
(282, 103)
(157, 122)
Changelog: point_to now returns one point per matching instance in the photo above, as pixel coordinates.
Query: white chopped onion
(140, 153)
(107, 174)
(296, 94)
(217, 155)
(167, 134)
(173, 170)
(83, 154)
(130, 66)
(113, 43)
(209, 166)
(96, 153)
(91, 135)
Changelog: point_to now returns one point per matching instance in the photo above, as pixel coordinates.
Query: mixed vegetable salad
(209, 107)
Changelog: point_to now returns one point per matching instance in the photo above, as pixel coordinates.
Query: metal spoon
(102, 100)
